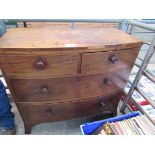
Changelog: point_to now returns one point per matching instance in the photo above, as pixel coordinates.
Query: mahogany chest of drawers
(56, 74)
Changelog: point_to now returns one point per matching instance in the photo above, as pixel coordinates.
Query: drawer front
(100, 62)
(68, 89)
(69, 110)
(41, 65)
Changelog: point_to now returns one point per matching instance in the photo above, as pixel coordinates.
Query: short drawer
(68, 89)
(100, 62)
(40, 65)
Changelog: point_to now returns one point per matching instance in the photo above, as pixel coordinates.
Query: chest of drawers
(56, 74)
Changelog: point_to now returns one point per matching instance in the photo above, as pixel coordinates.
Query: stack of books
(149, 88)
(139, 125)
(150, 111)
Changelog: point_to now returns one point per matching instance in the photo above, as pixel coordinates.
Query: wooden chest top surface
(64, 38)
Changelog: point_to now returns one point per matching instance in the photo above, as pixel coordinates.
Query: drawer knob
(113, 58)
(49, 111)
(40, 63)
(107, 81)
(44, 90)
(78, 78)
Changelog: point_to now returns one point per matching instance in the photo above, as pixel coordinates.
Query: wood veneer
(56, 74)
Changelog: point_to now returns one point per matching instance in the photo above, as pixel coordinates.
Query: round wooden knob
(40, 64)
(113, 58)
(107, 81)
(44, 90)
(49, 111)
(78, 78)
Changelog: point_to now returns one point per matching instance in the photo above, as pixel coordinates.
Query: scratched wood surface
(67, 38)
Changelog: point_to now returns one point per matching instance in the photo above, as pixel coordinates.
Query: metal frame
(123, 23)
(139, 24)
(147, 21)
(134, 86)
(73, 21)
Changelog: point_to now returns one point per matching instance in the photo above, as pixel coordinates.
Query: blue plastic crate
(88, 128)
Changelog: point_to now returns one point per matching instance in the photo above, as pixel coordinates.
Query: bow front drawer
(61, 111)
(69, 88)
(101, 62)
(40, 65)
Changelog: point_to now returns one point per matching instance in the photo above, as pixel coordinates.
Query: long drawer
(40, 65)
(46, 112)
(69, 88)
(100, 62)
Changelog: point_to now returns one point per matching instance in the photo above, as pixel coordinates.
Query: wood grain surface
(88, 38)
(40, 65)
(46, 112)
(99, 62)
(69, 88)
